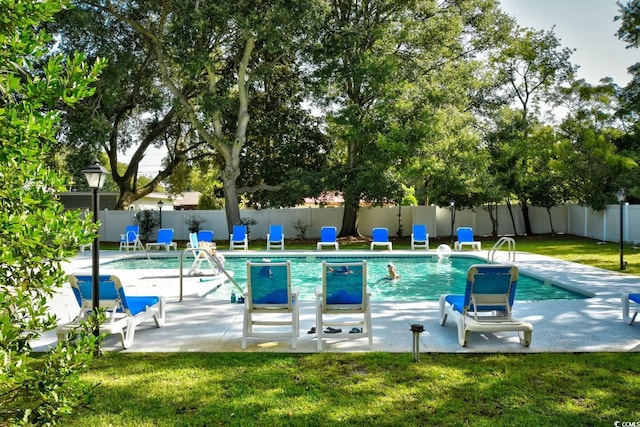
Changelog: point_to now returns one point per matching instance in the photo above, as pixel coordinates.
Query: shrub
(37, 232)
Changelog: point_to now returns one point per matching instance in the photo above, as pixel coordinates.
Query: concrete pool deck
(208, 324)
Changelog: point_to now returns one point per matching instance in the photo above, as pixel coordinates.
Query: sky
(584, 25)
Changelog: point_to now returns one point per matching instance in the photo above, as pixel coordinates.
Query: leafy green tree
(531, 66)
(594, 159)
(130, 111)
(451, 91)
(358, 71)
(212, 58)
(37, 232)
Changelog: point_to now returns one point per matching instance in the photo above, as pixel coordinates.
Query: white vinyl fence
(569, 219)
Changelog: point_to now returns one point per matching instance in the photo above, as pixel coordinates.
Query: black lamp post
(452, 203)
(622, 197)
(160, 204)
(96, 175)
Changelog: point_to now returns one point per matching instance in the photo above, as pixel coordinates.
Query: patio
(199, 324)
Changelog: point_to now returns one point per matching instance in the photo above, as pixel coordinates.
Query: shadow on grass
(363, 389)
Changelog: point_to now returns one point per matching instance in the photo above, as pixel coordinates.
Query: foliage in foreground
(363, 389)
(36, 232)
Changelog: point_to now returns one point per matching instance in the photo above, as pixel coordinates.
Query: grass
(267, 389)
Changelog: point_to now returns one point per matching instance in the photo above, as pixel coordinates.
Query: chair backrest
(328, 234)
(344, 285)
(82, 286)
(131, 233)
(465, 234)
(419, 232)
(275, 232)
(380, 235)
(490, 287)
(165, 235)
(239, 233)
(193, 240)
(269, 285)
(205, 236)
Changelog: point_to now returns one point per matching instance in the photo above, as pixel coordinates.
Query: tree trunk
(125, 200)
(231, 207)
(492, 210)
(350, 222)
(550, 221)
(513, 220)
(525, 216)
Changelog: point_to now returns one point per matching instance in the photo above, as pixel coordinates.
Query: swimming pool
(423, 278)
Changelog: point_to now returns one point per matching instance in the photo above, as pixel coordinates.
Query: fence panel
(570, 218)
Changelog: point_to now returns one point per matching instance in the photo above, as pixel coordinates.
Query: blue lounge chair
(270, 303)
(275, 237)
(131, 238)
(419, 237)
(343, 300)
(486, 304)
(465, 238)
(328, 237)
(124, 313)
(238, 238)
(205, 236)
(628, 318)
(164, 240)
(380, 237)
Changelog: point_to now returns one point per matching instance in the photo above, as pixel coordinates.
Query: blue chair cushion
(279, 296)
(344, 297)
(457, 301)
(139, 304)
(635, 298)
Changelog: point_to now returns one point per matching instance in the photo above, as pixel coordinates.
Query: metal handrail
(511, 249)
(210, 258)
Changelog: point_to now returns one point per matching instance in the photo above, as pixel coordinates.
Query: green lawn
(266, 389)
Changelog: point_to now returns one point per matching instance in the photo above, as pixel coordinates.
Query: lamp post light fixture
(96, 175)
(622, 197)
(452, 203)
(160, 204)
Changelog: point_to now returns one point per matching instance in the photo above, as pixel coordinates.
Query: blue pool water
(422, 278)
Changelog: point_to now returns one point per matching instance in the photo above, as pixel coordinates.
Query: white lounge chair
(419, 237)
(628, 318)
(124, 313)
(204, 254)
(328, 237)
(164, 240)
(275, 237)
(270, 304)
(486, 304)
(238, 238)
(380, 237)
(465, 238)
(343, 300)
(131, 238)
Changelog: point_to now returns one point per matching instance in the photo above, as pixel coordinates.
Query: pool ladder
(210, 259)
(511, 249)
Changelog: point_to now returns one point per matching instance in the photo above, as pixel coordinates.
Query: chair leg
(628, 319)
(246, 320)
(160, 316)
(463, 334)
(525, 337)
(127, 340)
(443, 313)
(319, 323)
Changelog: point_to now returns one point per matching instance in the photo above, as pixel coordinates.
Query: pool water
(421, 278)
